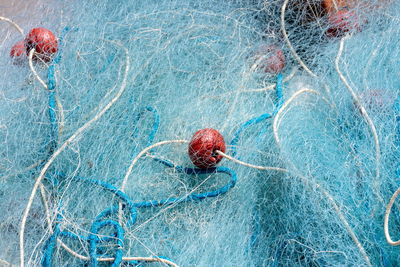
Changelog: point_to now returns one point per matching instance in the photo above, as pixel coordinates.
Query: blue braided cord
(48, 248)
(244, 126)
(94, 239)
(53, 119)
(115, 209)
(74, 236)
(107, 212)
(124, 197)
(98, 224)
(108, 187)
(194, 196)
(51, 85)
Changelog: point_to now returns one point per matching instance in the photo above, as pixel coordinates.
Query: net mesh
(94, 168)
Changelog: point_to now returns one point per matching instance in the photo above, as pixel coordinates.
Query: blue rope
(51, 85)
(48, 248)
(157, 203)
(194, 196)
(124, 197)
(94, 239)
(98, 224)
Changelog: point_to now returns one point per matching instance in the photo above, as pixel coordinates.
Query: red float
(332, 6)
(18, 50)
(342, 22)
(43, 41)
(270, 59)
(203, 147)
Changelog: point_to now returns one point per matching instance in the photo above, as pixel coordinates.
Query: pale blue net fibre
(189, 63)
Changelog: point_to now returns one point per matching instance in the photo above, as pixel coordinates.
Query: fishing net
(94, 165)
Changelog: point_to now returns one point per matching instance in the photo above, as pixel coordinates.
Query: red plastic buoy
(270, 59)
(18, 50)
(331, 6)
(202, 148)
(343, 21)
(43, 41)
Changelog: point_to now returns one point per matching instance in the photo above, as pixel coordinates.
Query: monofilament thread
(60, 109)
(324, 192)
(42, 189)
(65, 145)
(72, 252)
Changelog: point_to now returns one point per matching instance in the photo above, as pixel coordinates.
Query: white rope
(6, 263)
(386, 219)
(263, 168)
(30, 56)
(286, 37)
(19, 29)
(364, 113)
(272, 86)
(276, 122)
(144, 151)
(130, 168)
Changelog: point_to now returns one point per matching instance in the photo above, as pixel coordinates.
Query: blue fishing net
(102, 148)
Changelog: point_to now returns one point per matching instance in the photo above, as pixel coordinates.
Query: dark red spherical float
(18, 50)
(270, 59)
(332, 6)
(43, 41)
(203, 147)
(342, 22)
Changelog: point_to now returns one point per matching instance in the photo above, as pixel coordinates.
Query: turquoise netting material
(321, 145)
